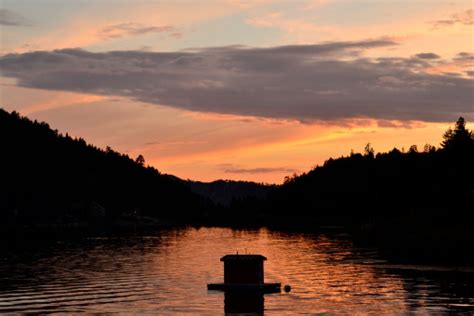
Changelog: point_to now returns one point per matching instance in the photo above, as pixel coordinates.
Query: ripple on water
(168, 272)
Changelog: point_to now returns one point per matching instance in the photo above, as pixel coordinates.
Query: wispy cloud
(463, 18)
(134, 29)
(10, 18)
(427, 56)
(228, 168)
(323, 82)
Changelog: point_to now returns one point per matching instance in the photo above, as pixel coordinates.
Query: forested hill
(427, 183)
(49, 177)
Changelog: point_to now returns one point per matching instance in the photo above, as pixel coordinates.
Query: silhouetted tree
(459, 137)
(140, 160)
(428, 148)
(289, 179)
(413, 149)
(369, 150)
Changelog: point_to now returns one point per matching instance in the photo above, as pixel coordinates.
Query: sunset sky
(240, 89)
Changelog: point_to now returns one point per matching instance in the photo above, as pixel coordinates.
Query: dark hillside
(433, 182)
(47, 177)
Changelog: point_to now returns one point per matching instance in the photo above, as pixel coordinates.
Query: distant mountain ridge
(224, 192)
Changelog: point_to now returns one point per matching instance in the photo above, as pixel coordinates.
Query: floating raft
(244, 273)
(264, 288)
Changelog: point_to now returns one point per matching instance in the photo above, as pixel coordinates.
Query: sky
(240, 89)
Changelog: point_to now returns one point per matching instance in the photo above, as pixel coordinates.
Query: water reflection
(168, 273)
(238, 302)
(439, 288)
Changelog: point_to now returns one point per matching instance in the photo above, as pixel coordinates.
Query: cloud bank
(323, 82)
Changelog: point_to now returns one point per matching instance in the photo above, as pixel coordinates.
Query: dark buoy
(287, 288)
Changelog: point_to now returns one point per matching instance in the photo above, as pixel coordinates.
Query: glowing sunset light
(240, 90)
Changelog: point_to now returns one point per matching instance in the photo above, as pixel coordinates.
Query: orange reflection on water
(168, 271)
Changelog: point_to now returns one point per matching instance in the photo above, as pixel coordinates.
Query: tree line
(47, 176)
(431, 184)
(50, 177)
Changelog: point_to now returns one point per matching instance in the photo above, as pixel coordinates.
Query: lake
(167, 272)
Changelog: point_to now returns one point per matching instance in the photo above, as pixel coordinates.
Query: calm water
(168, 272)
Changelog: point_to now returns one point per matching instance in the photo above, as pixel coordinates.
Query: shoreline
(431, 243)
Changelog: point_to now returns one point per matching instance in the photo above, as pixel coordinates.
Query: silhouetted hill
(50, 178)
(412, 205)
(226, 192)
(433, 182)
